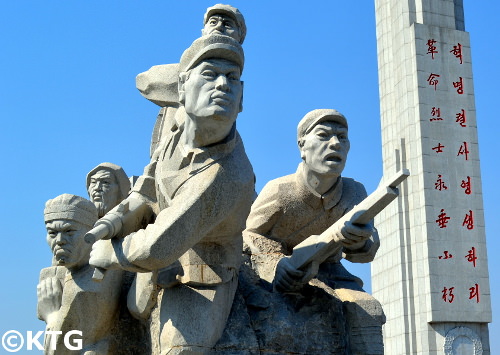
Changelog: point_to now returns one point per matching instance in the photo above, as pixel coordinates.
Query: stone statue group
(189, 260)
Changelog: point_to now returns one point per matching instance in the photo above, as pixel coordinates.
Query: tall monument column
(430, 273)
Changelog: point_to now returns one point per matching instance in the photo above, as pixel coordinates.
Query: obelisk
(430, 273)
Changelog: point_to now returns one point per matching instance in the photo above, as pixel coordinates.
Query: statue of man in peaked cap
(204, 186)
(294, 207)
(159, 84)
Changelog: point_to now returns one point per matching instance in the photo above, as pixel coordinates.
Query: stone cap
(314, 117)
(118, 172)
(233, 12)
(71, 207)
(212, 46)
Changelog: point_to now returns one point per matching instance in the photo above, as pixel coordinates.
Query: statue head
(224, 20)
(209, 82)
(323, 141)
(107, 186)
(67, 219)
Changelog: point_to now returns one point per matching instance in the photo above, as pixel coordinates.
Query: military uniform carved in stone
(180, 230)
(204, 188)
(294, 207)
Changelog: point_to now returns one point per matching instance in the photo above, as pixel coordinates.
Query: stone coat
(204, 196)
(88, 306)
(286, 212)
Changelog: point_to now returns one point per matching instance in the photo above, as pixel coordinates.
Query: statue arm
(203, 202)
(49, 293)
(365, 251)
(265, 212)
(267, 252)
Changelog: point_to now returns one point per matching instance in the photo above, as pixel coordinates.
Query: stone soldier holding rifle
(295, 207)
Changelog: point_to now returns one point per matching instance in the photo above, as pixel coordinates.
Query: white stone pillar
(430, 273)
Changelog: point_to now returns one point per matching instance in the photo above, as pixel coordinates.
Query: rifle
(320, 247)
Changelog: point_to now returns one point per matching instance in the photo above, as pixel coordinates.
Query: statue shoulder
(353, 190)
(279, 188)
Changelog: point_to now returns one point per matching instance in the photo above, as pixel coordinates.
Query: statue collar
(327, 201)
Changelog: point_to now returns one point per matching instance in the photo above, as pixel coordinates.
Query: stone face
(204, 189)
(107, 185)
(173, 244)
(321, 304)
(68, 299)
(160, 83)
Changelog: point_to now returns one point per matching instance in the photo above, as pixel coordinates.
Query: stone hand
(288, 279)
(49, 292)
(103, 255)
(355, 235)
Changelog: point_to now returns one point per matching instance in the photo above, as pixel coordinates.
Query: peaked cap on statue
(212, 46)
(232, 12)
(314, 117)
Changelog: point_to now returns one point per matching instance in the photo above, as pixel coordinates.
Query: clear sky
(68, 102)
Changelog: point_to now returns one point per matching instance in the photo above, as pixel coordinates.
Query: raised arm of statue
(199, 206)
(49, 293)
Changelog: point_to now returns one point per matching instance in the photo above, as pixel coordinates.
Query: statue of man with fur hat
(107, 186)
(68, 299)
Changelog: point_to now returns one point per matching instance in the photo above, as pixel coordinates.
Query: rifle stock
(320, 247)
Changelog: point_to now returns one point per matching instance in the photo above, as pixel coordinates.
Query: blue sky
(68, 102)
